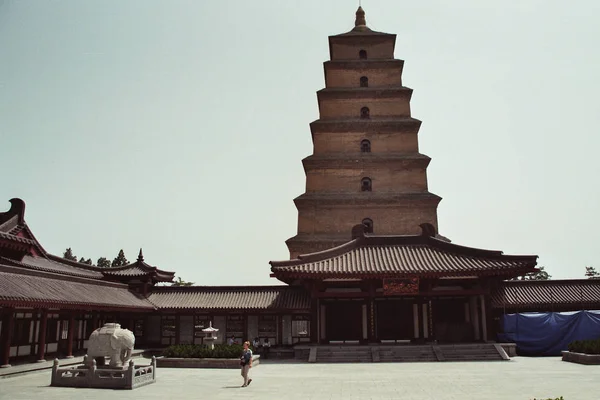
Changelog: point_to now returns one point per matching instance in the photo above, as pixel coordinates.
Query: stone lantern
(210, 335)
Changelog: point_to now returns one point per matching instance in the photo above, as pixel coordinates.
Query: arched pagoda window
(364, 81)
(366, 185)
(365, 146)
(365, 113)
(368, 223)
(362, 54)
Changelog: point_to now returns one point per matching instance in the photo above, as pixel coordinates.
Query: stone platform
(520, 379)
(358, 353)
(21, 368)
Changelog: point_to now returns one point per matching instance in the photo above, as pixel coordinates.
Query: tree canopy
(591, 273)
(120, 260)
(181, 282)
(68, 255)
(539, 275)
(103, 262)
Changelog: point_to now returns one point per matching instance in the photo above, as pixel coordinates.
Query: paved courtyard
(520, 378)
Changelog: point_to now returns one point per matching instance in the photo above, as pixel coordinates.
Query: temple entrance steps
(402, 353)
(343, 354)
(407, 353)
(473, 352)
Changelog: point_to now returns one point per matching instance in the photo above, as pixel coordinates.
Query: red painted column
(94, 321)
(70, 335)
(280, 329)
(7, 327)
(314, 318)
(42, 337)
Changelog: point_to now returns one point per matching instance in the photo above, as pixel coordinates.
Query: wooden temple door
(344, 320)
(450, 322)
(395, 320)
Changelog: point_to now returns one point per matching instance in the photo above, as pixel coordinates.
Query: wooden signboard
(406, 286)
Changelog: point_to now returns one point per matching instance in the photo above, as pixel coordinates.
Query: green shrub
(585, 346)
(202, 351)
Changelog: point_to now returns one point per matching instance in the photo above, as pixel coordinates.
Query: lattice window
(168, 326)
(235, 328)
(200, 322)
(267, 326)
(138, 327)
(300, 326)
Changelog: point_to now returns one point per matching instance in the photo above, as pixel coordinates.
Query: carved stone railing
(92, 376)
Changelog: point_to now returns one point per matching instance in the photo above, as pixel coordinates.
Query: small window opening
(368, 223)
(365, 146)
(362, 54)
(364, 81)
(366, 185)
(364, 113)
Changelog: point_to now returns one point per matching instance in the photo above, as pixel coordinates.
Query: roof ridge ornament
(358, 231)
(140, 256)
(360, 21)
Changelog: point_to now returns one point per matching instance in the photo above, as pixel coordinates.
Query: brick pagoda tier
(366, 166)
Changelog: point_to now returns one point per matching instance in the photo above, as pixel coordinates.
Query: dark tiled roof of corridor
(20, 287)
(232, 297)
(47, 265)
(574, 293)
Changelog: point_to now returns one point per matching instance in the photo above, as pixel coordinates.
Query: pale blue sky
(179, 126)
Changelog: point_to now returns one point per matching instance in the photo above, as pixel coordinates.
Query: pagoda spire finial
(360, 17)
(140, 256)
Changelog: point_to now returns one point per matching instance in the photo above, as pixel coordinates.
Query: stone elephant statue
(111, 341)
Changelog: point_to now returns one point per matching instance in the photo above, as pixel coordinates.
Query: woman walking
(246, 363)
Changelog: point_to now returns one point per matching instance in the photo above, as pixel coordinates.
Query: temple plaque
(405, 286)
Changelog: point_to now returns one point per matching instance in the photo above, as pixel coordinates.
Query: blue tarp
(548, 333)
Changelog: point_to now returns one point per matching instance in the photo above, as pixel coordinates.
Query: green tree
(120, 260)
(539, 275)
(68, 255)
(591, 273)
(103, 262)
(181, 282)
(84, 261)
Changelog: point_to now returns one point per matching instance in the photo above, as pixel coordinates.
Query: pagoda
(366, 166)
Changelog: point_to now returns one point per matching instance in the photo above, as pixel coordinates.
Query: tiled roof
(381, 256)
(20, 287)
(128, 271)
(47, 265)
(542, 294)
(10, 224)
(139, 268)
(233, 298)
(9, 236)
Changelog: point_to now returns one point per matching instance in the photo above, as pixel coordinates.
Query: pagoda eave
(367, 93)
(419, 199)
(363, 64)
(373, 125)
(362, 37)
(365, 160)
